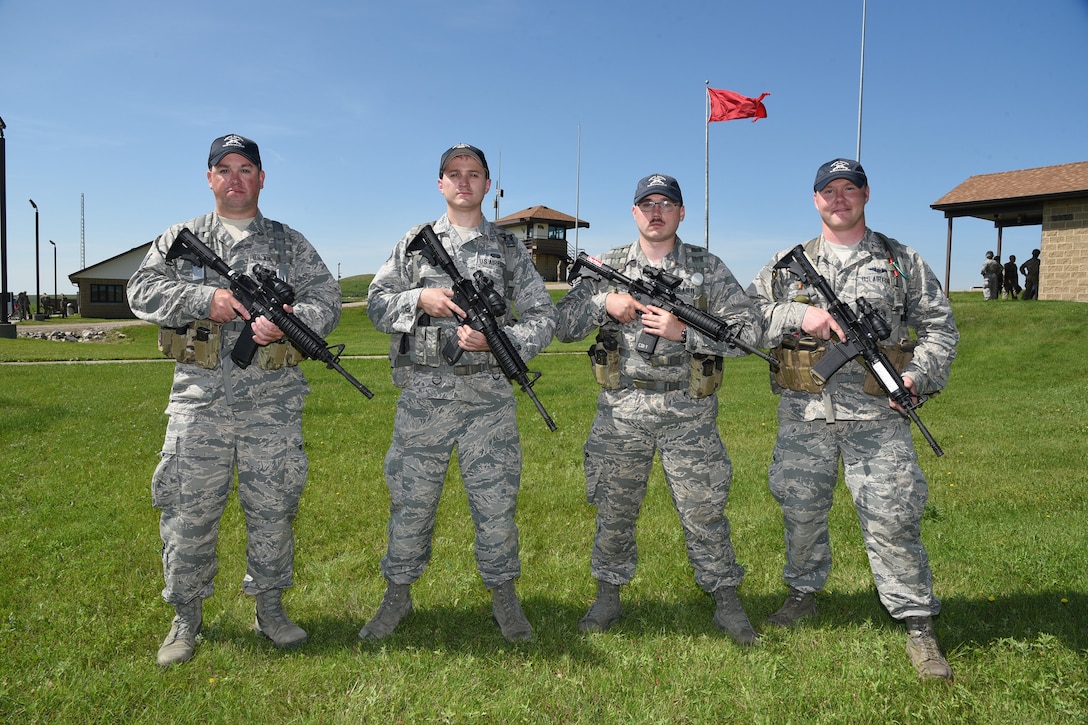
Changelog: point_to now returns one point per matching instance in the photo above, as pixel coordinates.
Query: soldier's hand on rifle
(438, 302)
(471, 340)
(225, 307)
(623, 307)
(662, 323)
(819, 323)
(908, 383)
(265, 331)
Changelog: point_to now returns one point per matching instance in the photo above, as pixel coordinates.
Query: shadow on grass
(976, 622)
(470, 629)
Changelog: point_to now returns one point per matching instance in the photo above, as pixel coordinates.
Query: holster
(604, 358)
(705, 376)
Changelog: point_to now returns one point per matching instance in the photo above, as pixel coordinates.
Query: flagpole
(706, 159)
(861, 82)
(577, 191)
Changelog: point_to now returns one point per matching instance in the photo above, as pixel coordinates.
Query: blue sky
(353, 102)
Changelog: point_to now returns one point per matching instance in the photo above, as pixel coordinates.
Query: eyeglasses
(665, 206)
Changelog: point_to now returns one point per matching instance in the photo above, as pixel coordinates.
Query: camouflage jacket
(394, 293)
(175, 293)
(582, 312)
(909, 298)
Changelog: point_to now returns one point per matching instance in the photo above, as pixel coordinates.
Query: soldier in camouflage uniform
(841, 422)
(468, 404)
(992, 272)
(224, 418)
(665, 401)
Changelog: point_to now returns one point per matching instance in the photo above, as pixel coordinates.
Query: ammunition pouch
(796, 356)
(900, 354)
(706, 375)
(194, 344)
(280, 354)
(427, 350)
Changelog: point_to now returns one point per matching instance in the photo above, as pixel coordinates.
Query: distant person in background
(1012, 279)
(991, 276)
(1030, 270)
(24, 306)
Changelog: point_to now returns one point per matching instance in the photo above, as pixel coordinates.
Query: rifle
(266, 295)
(482, 305)
(862, 336)
(660, 291)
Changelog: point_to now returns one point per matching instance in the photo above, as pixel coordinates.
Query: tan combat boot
(730, 616)
(274, 623)
(180, 644)
(605, 610)
(925, 652)
(395, 606)
(508, 615)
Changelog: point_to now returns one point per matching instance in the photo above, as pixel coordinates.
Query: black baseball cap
(463, 149)
(658, 184)
(840, 169)
(232, 143)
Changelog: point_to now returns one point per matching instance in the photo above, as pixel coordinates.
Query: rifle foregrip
(707, 324)
(305, 339)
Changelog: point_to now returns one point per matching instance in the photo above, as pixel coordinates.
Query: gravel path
(64, 326)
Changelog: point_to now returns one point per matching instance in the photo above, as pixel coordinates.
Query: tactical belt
(457, 369)
(659, 385)
(472, 369)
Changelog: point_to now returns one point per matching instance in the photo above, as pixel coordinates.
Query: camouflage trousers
(618, 459)
(194, 479)
(425, 431)
(889, 491)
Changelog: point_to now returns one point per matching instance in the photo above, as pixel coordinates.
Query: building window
(555, 232)
(108, 293)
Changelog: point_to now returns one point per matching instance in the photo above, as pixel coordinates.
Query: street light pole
(37, 264)
(4, 320)
(56, 300)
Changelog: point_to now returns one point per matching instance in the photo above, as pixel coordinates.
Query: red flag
(729, 106)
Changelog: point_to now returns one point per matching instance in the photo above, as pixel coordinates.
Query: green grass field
(81, 616)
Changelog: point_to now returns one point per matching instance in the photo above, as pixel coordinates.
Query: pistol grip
(245, 348)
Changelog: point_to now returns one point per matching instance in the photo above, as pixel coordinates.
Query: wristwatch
(684, 336)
